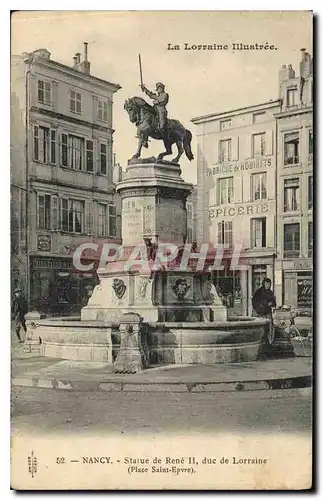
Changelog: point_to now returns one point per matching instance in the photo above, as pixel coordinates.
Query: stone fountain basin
(230, 341)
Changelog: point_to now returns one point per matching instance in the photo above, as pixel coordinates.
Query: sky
(198, 82)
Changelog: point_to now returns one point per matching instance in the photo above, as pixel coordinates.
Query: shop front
(298, 284)
(56, 288)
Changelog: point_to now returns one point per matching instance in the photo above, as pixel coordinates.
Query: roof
(52, 62)
(245, 109)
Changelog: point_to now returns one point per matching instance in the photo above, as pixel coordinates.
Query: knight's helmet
(159, 84)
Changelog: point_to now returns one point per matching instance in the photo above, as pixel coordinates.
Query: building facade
(255, 192)
(62, 178)
(237, 195)
(294, 266)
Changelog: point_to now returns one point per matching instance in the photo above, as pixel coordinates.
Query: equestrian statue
(152, 122)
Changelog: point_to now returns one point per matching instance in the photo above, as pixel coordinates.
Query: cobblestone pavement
(38, 411)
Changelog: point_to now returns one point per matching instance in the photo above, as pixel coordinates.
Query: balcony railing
(291, 253)
(291, 160)
(291, 207)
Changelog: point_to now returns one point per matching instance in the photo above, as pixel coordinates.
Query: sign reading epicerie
(246, 165)
(260, 208)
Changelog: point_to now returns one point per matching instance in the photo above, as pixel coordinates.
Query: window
(47, 211)
(258, 231)
(76, 146)
(226, 190)
(103, 158)
(103, 110)
(43, 211)
(291, 97)
(44, 144)
(72, 216)
(225, 234)
(258, 144)
(291, 148)
(225, 150)
(107, 220)
(291, 240)
(76, 153)
(189, 238)
(75, 102)
(89, 156)
(259, 117)
(259, 186)
(291, 195)
(44, 92)
(189, 208)
(310, 143)
(310, 238)
(225, 124)
(310, 193)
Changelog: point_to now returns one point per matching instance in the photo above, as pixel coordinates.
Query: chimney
(75, 61)
(306, 64)
(78, 57)
(85, 51)
(290, 71)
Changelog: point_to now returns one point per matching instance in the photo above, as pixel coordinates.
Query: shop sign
(244, 166)
(304, 291)
(303, 264)
(255, 209)
(41, 263)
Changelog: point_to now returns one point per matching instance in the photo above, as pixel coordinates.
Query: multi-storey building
(237, 195)
(255, 192)
(293, 273)
(62, 190)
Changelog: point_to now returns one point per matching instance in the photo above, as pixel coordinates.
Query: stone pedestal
(153, 216)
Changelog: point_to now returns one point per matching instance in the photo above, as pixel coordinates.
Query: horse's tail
(187, 145)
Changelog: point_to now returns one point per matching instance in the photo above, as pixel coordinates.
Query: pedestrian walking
(19, 310)
(263, 303)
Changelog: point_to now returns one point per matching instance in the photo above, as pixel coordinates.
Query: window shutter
(89, 156)
(64, 155)
(269, 142)
(53, 147)
(64, 214)
(216, 152)
(235, 148)
(54, 213)
(36, 142)
(220, 238)
(89, 217)
(248, 145)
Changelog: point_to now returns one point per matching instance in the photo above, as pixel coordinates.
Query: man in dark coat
(263, 302)
(19, 309)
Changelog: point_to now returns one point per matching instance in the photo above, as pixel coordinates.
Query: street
(38, 411)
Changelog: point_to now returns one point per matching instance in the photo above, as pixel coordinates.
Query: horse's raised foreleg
(180, 151)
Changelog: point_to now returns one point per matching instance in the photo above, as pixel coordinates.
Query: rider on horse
(160, 102)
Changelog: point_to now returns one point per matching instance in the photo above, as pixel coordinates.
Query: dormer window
(44, 92)
(291, 97)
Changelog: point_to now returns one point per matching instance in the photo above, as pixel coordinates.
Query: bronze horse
(144, 116)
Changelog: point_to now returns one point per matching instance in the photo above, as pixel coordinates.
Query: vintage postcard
(161, 250)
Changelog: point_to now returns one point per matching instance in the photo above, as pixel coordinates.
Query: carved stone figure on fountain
(180, 288)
